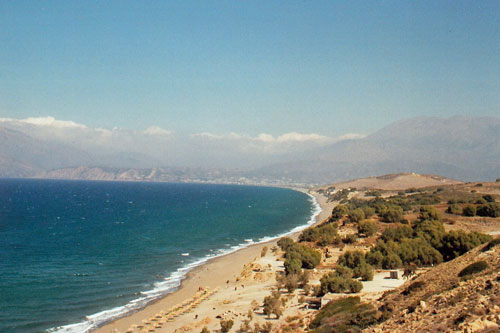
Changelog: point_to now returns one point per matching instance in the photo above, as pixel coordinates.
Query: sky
(326, 68)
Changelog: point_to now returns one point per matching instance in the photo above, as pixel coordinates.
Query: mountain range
(464, 148)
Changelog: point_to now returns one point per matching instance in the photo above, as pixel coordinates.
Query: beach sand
(232, 300)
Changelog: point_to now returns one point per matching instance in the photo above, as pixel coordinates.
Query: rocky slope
(440, 301)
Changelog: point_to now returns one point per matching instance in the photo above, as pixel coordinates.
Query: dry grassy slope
(445, 303)
(398, 181)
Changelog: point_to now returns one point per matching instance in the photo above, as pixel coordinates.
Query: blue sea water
(75, 254)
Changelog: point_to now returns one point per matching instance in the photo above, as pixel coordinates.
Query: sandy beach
(235, 280)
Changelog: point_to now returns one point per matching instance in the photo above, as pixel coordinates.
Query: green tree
(429, 213)
(339, 281)
(391, 261)
(430, 230)
(338, 212)
(469, 211)
(285, 242)
(397, 234)
(367, 228)
(489, 210)
(352, 259)
(375, 258)
(356, 215)
(293, 266)
(454, 209)
(392, 214)
(369, 211)
(364, 271)
(456, 243)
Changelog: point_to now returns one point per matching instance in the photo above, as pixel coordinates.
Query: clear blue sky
(327, 67)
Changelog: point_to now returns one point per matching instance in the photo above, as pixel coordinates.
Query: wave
(172, 283)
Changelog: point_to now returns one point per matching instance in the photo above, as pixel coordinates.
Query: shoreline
(213, 273)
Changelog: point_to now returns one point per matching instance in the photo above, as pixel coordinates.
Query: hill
(439, 300)
(400, 181)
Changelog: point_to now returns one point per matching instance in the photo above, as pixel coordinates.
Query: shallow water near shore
(75, 254)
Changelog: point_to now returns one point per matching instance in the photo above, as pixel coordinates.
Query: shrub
(456, 243)
(351, 259)
(430, 230)
(273, 304)
(417, 285)
(397, 234)
(374, 193)
(309, 257)
(369, 211)
(350, 239)
(469, 211)
(292, 282)
(285, 242)
(205, 330)
(391, 261)
(323, 235)
(498, 180)
(476, 267)
(293, 266)
(356, 215)
(489, 210)
(263, 252)
(454, 209)
(429, 213)
(367, 228)
(344, 315)
(364, 271)
(488, 198)
(225, 325)
(491, 244)
(392, 214)
(419, 252)
(375, 258)
(339, 281)
(338, 212)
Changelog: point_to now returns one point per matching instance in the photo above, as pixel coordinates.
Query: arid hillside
(400, 181)
(440, 300)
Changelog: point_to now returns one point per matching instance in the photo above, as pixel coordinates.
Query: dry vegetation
(411, 229)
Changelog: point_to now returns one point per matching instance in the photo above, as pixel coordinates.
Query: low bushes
(323, 235)
(491, 244)
(344, 315)
(355, 260)
(298, 256)
(489, 210)
(339, 281)
(456, 243)
(367, 228)
(469, 211)
(474, 268)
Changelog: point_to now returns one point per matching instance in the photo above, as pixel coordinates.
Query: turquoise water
(74, 254)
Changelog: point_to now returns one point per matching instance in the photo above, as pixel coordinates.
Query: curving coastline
(211, 271)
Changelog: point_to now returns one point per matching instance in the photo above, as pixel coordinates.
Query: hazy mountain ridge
(459, 147)
(464, 148)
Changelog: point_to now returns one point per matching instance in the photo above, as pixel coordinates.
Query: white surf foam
(172, 282)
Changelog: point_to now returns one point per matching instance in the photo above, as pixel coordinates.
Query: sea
(77, 254)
